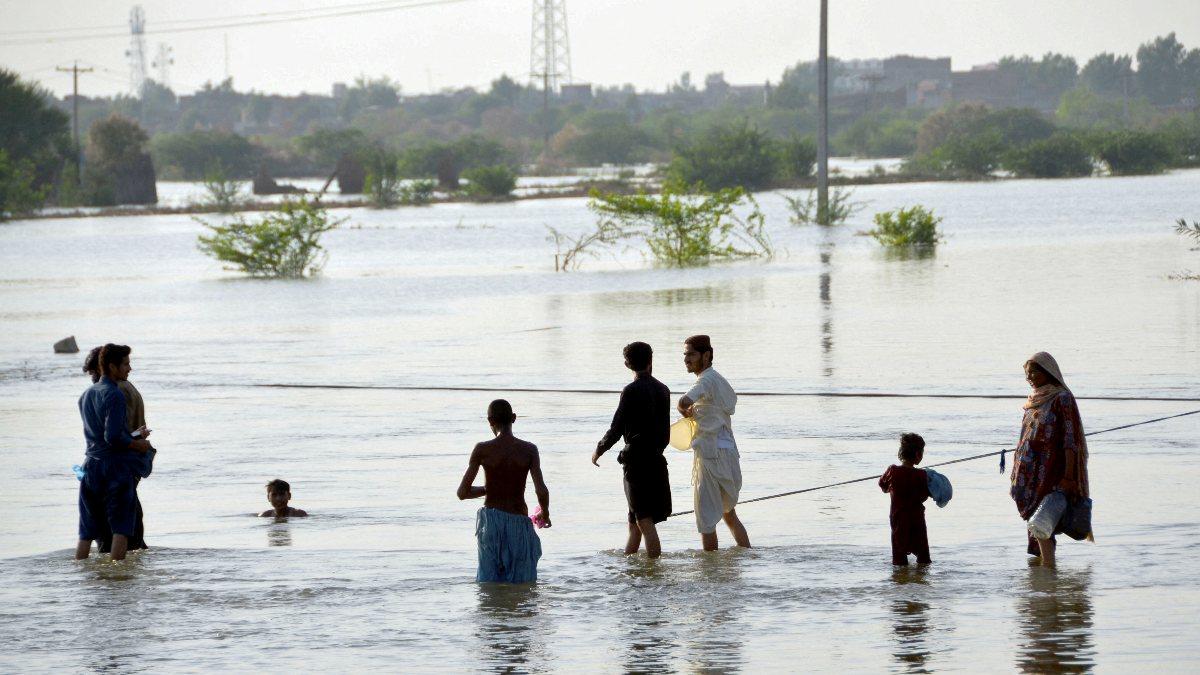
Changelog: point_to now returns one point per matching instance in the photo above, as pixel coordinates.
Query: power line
(952, 461)
(779, 394)
(224, 24)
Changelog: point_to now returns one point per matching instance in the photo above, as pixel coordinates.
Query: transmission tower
(137, 49)
(163, 60)
(550, 51)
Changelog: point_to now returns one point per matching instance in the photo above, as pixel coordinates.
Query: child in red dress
(909, 487)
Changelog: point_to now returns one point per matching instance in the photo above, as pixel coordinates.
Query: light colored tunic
(716, 465)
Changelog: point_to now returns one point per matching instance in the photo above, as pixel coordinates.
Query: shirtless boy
(509, 549)
(279, 493)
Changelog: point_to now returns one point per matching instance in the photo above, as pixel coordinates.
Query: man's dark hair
(279, 486)
(112, 356)
(912, 446)
(500, 411)
(91, 364)
(700, 343)
(638, 355)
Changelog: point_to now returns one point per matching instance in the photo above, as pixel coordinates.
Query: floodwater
(381, 575)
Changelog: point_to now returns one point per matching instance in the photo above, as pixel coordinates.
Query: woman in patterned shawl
(1052, 454)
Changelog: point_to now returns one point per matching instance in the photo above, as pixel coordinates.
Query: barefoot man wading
(716, 468)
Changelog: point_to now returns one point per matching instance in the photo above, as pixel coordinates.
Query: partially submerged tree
(914, 226)
(682, 230)
(284, 243)
(119, 169)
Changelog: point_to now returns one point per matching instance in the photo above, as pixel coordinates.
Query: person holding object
(1052, 453)
(909, 488)
(108, 488)
(509, 547)
(716, 466)
(643, 419)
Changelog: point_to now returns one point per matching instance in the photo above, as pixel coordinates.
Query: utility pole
(823, 118)
(75, 70)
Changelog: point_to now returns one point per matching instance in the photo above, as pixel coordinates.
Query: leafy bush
(223, 192)
(383, 178)
(417, 193)
(447, 161)
(798, 157)
(682, 230)
(1059, 156)
(727, 156)
(490, 182)
(913, 226)
(806, 210)
(1129, 153)
(284, 243)
(18, 195)
(119, 170)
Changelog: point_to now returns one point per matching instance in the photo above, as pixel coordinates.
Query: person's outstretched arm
(615, 430)
(539, 486)
(465, 489)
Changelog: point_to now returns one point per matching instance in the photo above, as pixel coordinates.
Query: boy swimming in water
(279, 493)
(509, 549)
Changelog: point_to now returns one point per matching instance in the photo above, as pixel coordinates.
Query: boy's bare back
(507, 461)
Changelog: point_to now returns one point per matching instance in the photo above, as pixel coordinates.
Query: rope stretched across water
(778, 394)
(952, 461)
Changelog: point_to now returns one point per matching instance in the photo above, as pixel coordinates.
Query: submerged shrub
(913, 226)
(417, 193)
(1130, 153)
(684, 230)
(490, 182)
(222, 192)
(1059, 156)
(807, 211)
(284, 243)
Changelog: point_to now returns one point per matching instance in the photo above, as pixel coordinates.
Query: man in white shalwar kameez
(716, 466)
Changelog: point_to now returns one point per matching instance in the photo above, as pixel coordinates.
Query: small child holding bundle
(909, 487)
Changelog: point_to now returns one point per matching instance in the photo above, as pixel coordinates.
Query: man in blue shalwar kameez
(108, 488)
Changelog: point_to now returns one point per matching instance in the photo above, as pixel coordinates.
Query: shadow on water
(510, 628)
(1054, 612)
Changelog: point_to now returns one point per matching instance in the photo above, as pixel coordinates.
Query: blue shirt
(102, 407)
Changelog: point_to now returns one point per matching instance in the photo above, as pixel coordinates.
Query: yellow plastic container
(682, 433)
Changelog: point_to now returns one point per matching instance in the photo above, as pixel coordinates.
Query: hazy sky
(645, 42)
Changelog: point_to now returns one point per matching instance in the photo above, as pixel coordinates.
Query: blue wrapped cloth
(940, 489)
(509, 548)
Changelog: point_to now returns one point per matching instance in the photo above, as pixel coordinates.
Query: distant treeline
(1112, 108)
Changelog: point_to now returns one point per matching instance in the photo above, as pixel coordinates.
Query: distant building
(905, 71)
(339, 90)
(987, 85)
(575, 93)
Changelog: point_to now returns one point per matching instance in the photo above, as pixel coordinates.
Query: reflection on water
(910, 623)
(1054, 612)
(891, 253)
(715, 640)
(279, 534)
(509, 628)
(825, 282)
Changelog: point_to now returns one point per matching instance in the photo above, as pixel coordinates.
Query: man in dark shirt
(643, 420)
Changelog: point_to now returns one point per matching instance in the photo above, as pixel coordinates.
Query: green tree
(727, 156)
(1166, 71)
(446, 161)
(189, 155)
(18, 195)
(605, 137)
(1048, 77)
(369, 93)
(33, 134)
(1060, 156)
(1085, 109)
(119, 169)
(1108, 74)
(285, 243)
